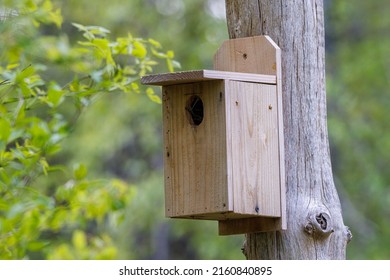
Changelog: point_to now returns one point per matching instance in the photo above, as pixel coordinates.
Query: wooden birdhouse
(223, 139)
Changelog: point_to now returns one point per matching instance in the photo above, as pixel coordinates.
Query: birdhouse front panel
(253, 148)
(195, 158)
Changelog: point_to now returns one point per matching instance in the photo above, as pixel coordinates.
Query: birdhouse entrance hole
(194, 109)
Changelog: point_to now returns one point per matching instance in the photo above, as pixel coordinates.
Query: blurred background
(120, 135)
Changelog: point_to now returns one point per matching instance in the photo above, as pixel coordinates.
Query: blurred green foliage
(48, 210)
(119, 137)
(358, 45)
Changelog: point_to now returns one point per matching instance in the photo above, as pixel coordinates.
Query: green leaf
(154, 43)
(139, 49)
(45, 165)
(55, 95)
(56, 18)
(107, 253)
(80, 27)
(170, 54)
(40, 134)
(25, 73)
(152, 96)
(5, 130)
(101, 44)
(158, 54)
(79, 240)
(135, 87)
(80, 171)
(60, 216)
(176, 64)
(37, 245)
(91, 32)
(170, 65)
(12, 66)
(62, 252)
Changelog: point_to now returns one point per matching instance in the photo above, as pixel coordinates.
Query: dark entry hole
(194, 109)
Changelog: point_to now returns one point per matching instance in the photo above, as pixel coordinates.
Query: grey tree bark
(315, 225)
(6, 14)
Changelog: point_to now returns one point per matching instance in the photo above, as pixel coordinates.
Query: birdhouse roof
(204, 75)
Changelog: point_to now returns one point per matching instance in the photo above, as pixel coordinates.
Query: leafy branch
(37, 112)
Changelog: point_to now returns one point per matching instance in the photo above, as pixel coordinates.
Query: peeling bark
(315, 224)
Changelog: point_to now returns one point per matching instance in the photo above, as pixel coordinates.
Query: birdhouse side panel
(253, 148)
(195, 149)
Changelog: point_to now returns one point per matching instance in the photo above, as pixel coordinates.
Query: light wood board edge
(203, 75)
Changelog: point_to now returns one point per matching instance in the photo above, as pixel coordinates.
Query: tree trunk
(6, 13)
(314, 220)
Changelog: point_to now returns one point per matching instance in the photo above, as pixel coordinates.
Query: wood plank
(249, 55)
(283, 221)
(195, 156)
(253, 150)
(204, 75)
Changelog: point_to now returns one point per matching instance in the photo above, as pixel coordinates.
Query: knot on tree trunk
(319, 224)
(349, 234)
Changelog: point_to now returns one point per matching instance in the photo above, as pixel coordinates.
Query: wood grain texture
(212, 169)
(252, 145)
(195, 156)
(261, 55)
(254, 55)
(315, 225)
(205, 75)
